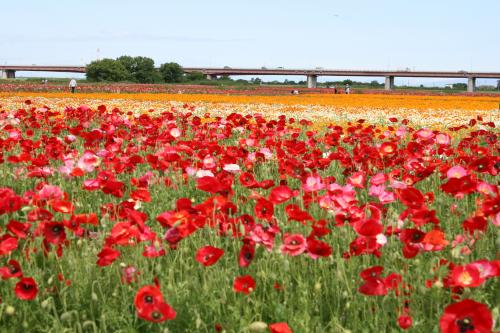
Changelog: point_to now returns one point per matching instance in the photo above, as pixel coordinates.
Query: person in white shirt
(72, 85)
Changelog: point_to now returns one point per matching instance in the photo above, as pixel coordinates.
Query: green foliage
(461, 86)
(140, 69)
(171, 72)
(106, 70)
(195, 76)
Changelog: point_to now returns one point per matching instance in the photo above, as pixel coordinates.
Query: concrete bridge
(311, 74)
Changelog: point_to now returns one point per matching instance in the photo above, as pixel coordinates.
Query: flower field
(221, 213)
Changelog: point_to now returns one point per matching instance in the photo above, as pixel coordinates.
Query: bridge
(311, 74)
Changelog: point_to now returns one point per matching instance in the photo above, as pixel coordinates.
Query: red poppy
(18, 229)
(423, 216)
(54, 232)
(280, 328)
(141, 194)
(411, 197)
(317, 248)
(107, 256)
(460, 186)
(208, 255)
(244, 284)
(296, 214)
(157, 313)
(264, 209)
(474, 223)
(466, 316)
(466, 276)
(62, 206)
(374, 284)
(151, 306)
(113, 187)
(247, 253)
(148, 295)
(293, 244)
(405, 321)
(371, 272)
(411, 236)
(26, 289)
(7, 244)
(373, 287)
(280, 194)
(12, 270)
(248, 180)
(208, 184)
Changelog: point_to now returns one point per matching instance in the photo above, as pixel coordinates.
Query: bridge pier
(8, 74)
(389, 82)
(3, 74)
(211, 77)
(471, 84)
(312, 81)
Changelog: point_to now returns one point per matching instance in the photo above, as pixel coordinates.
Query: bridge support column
(211, 77)
(471, 84)
(11, 74)
(312, 81)
(389, 82)
(3, 74)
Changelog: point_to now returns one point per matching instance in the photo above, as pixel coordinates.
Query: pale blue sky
(363, 34)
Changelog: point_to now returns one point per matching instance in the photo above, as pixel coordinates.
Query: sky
(365, 34)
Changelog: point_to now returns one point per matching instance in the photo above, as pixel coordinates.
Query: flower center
(148, 299)
(156, 315)
(465, 278)
(465, 325)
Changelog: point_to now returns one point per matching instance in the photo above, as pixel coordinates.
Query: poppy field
(203, 213)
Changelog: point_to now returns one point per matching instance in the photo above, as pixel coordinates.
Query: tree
(171, 72)
(256, 81)
(195, 76)
(140, 69)
(374, 83)
(460, 86)
(349, 82)
(129, 64)
(106, 70)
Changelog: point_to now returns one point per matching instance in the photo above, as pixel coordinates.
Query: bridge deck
(278, 71)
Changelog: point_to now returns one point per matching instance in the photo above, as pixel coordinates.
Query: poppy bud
(45, 303)
(257, 326)
(10, 310)
(66, 316)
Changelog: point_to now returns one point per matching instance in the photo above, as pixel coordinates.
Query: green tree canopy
(195, 76)
(106, 70)
(140, 69)
(171, 72)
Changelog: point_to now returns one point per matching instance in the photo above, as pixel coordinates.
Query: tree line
(134, 69)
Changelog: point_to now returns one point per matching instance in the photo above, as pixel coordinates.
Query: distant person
(347, 89)
(335, 89)
(72, 85)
